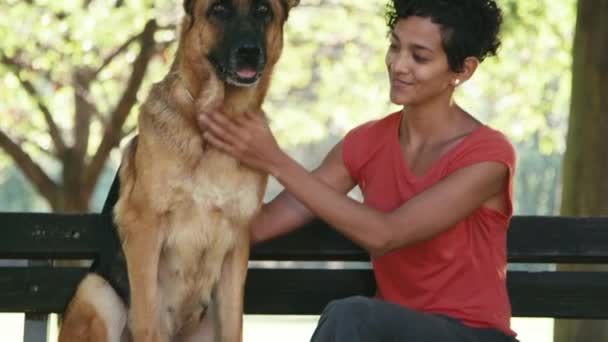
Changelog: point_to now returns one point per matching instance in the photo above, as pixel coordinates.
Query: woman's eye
(420, 59)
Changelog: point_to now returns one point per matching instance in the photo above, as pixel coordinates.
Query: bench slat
(531, 239)
(52, 236)
(559, 294)
(557, 239)
(314, 242)
(307, 291)
(542, 294)
(37, 289)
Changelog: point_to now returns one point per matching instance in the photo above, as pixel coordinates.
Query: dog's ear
(189, 6)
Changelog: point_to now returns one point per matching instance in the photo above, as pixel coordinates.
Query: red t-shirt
(462, 271)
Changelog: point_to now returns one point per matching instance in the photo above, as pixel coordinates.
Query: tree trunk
(585, 179)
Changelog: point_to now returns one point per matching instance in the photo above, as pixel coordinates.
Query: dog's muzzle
(246, 65)
(243, 65)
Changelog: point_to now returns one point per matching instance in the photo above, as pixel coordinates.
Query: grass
(286, 328)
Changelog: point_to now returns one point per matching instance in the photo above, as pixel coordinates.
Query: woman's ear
(468, 69)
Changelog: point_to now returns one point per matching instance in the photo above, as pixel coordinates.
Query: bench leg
(36, 328)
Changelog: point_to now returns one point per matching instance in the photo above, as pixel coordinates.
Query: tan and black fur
(184, 208)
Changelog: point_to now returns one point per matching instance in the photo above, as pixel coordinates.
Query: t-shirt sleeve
(492, 146)
(352, 145)
(361, 144)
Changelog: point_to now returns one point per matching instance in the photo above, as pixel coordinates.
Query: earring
(456, 82)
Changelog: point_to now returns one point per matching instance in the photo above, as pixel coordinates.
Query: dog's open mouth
(244, 67)
(246, 76)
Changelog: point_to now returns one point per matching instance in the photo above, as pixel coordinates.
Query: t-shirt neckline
(404, 164)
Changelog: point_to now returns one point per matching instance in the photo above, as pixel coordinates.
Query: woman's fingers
(219, 125)
(223, 129)
(225, 123)
(239, 151)
(219, 143)
(209, 125)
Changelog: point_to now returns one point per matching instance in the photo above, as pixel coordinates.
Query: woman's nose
(399, 64)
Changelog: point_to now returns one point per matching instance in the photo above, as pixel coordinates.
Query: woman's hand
(246, 137)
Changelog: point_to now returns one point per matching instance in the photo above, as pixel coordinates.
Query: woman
(437, 186)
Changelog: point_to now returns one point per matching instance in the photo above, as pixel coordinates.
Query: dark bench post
(36, 328)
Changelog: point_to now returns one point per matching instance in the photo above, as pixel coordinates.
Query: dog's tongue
(246, 73)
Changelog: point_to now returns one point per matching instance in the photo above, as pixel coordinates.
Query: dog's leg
(228, 294)
(142, 244)
(200, 332)
(95, 314)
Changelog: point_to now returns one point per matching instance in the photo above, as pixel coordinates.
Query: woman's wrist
(279, 165)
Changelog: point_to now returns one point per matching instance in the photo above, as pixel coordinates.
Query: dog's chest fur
(210, 213)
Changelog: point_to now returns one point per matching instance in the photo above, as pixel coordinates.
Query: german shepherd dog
(184, 208)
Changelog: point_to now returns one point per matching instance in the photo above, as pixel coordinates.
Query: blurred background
(73, 72)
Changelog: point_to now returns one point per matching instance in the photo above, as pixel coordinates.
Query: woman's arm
(421, 218)
(428, 214)
(285, 213)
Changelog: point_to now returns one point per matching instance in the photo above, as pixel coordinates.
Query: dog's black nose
(249, 52)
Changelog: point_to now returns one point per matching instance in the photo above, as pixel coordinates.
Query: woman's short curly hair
(469, 27)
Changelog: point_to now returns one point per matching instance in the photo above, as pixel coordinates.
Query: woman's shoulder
(378, 128)
(485, 144)
(363, 142)
(495, 139)
(489, 132)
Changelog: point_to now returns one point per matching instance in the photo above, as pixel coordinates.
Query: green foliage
(17, 194)
(332, 72)
(525, 92)
(331, 75)
(47, 45)
(53, 39)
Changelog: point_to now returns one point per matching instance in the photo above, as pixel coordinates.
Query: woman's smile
(401, 83)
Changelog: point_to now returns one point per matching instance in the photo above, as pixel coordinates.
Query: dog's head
(241, 39)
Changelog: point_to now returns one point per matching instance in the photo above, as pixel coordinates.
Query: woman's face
(417, 63)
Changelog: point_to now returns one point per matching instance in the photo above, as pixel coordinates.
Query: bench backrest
(285, 275)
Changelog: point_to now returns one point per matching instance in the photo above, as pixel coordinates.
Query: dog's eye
(263, 10)
(219, 10)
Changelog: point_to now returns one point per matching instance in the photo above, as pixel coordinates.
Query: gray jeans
(362, 319)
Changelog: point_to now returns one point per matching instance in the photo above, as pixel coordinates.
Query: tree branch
(117, 52)
(113, 132)
(83, 111)
(21, 65)
(54, 130)
(32, 171)
(122, 48)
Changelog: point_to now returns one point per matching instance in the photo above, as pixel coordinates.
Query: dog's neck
(238, 100)
(200, 89)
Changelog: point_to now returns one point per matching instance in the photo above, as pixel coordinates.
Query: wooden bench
(293, 285)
